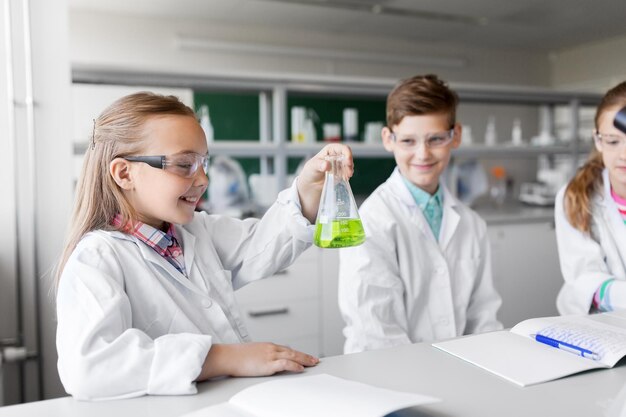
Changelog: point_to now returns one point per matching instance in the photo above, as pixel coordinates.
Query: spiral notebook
(517, 356)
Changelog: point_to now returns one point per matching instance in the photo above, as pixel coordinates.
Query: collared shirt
(431, 205)
(164, 243)
(620, 203)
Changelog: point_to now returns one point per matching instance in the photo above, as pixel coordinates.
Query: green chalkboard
(234, 116)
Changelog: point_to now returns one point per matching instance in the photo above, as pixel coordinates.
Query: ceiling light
(204, 44)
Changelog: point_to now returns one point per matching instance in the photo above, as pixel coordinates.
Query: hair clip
(93, 135)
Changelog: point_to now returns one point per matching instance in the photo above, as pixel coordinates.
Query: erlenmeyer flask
(338, 223)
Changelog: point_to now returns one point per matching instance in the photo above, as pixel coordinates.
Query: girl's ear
(597, 144)
(119, 169)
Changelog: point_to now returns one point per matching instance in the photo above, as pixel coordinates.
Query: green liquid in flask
(339, 234)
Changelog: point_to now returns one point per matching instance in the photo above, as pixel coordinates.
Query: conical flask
(338, 223)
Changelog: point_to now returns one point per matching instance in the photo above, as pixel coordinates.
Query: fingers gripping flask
(338, 223)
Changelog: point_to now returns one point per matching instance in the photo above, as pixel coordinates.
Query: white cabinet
(332, 322)
(297, 306)
(285, 308)
(526, 270)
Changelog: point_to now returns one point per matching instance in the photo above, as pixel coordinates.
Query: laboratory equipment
(373, 132)
(298, 118)
(491, 136)
(350, 125)
(497, 192)
(332, 132)
(310, 134)
(545, 136)
(466, 132)
(516, 133)
(468, 180)
(552, 173)
(205, 122)
(303, 125)
(228, 190)
(338, 223)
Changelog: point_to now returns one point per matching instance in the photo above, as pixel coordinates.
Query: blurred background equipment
(228, 190)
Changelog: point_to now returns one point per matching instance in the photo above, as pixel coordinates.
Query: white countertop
(465, 390)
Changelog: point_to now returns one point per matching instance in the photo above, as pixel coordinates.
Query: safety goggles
(608, 141)
(430, 140)
(184, 165)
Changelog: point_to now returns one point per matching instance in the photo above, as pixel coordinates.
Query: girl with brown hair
(590, 216)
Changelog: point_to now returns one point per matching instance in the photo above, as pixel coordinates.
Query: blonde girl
(590, 216)
(145, 288)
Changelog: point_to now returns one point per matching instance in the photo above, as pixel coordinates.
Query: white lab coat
(587, 261)
(130, 324)
(403, 286)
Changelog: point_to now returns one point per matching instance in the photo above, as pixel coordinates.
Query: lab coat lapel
(611, 214)
(450, 220)
(401, 191)
(188, 242)
(152, 256)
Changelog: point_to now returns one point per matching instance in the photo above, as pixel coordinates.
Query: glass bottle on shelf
(497, 191)
(338, 223)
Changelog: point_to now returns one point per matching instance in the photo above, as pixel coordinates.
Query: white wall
(36, 178)
(147, 43)
(595, 67)
(52, 82)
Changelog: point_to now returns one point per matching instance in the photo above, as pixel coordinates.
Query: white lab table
(464, 389)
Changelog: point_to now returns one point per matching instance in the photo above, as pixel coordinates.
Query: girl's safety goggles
(608, 141)
(184, 165)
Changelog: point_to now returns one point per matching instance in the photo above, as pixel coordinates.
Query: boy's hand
(311, 179)
(253, 359)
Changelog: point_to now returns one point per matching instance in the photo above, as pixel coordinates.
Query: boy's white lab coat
(587, 261)
(403, 286)
(131, 324)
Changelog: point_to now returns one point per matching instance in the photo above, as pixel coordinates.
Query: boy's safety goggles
(430, 140)
(184, 165)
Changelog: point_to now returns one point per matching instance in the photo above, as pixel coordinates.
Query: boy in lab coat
(424, 272)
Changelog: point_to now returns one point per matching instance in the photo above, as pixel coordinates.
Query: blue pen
(577, 350)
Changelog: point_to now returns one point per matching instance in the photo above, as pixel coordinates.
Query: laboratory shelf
(510, 151)
(359, 150)
(251, 148)
(274, 90)
(241, 148)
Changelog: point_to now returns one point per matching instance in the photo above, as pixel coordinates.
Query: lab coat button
(206, 303)
(444, 322)
(440, 270)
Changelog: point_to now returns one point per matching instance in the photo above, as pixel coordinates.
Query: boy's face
(418, 162)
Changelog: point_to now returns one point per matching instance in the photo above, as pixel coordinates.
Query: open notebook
(313, 396)
(516, 356)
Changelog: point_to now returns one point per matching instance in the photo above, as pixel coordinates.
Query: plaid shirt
(165, 244)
